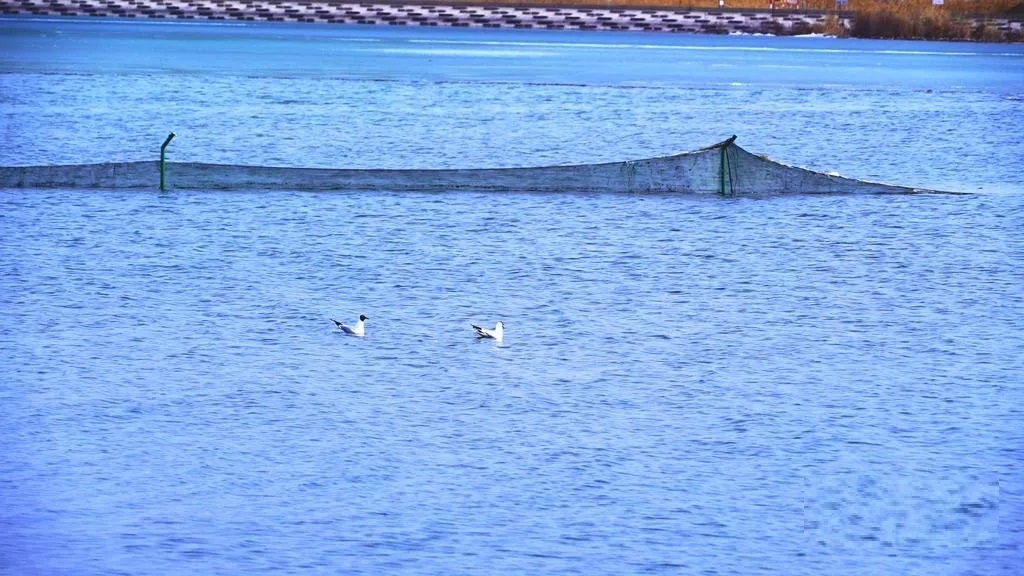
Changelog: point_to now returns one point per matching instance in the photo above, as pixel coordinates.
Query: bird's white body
(498, 333)
(358, 330)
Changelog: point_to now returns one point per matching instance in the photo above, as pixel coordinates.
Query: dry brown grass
(872, 18)
(920, 19)
(953, 6)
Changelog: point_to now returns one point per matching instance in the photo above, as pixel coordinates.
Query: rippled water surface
(806, 385)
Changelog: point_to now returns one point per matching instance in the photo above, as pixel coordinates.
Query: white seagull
(358, 330)
(498, 333)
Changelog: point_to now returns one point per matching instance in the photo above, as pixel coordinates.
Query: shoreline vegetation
(953, 20)
(958, 20)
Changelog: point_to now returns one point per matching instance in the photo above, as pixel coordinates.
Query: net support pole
(724, 179)
(723, 170)
(163, 149)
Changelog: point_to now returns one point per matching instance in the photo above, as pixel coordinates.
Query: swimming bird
(498, 333)
(358, 330)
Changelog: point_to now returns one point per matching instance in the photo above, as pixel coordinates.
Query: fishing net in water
(722, 169)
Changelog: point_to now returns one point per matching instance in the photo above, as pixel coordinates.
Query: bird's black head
(363, 318)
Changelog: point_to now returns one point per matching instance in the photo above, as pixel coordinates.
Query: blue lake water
(803, 385)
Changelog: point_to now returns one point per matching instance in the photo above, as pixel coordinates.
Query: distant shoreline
(491, 15)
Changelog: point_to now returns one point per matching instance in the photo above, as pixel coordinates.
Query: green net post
(723, 170)
(724, 181)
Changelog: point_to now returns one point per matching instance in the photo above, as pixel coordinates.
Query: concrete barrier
(718, 21)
